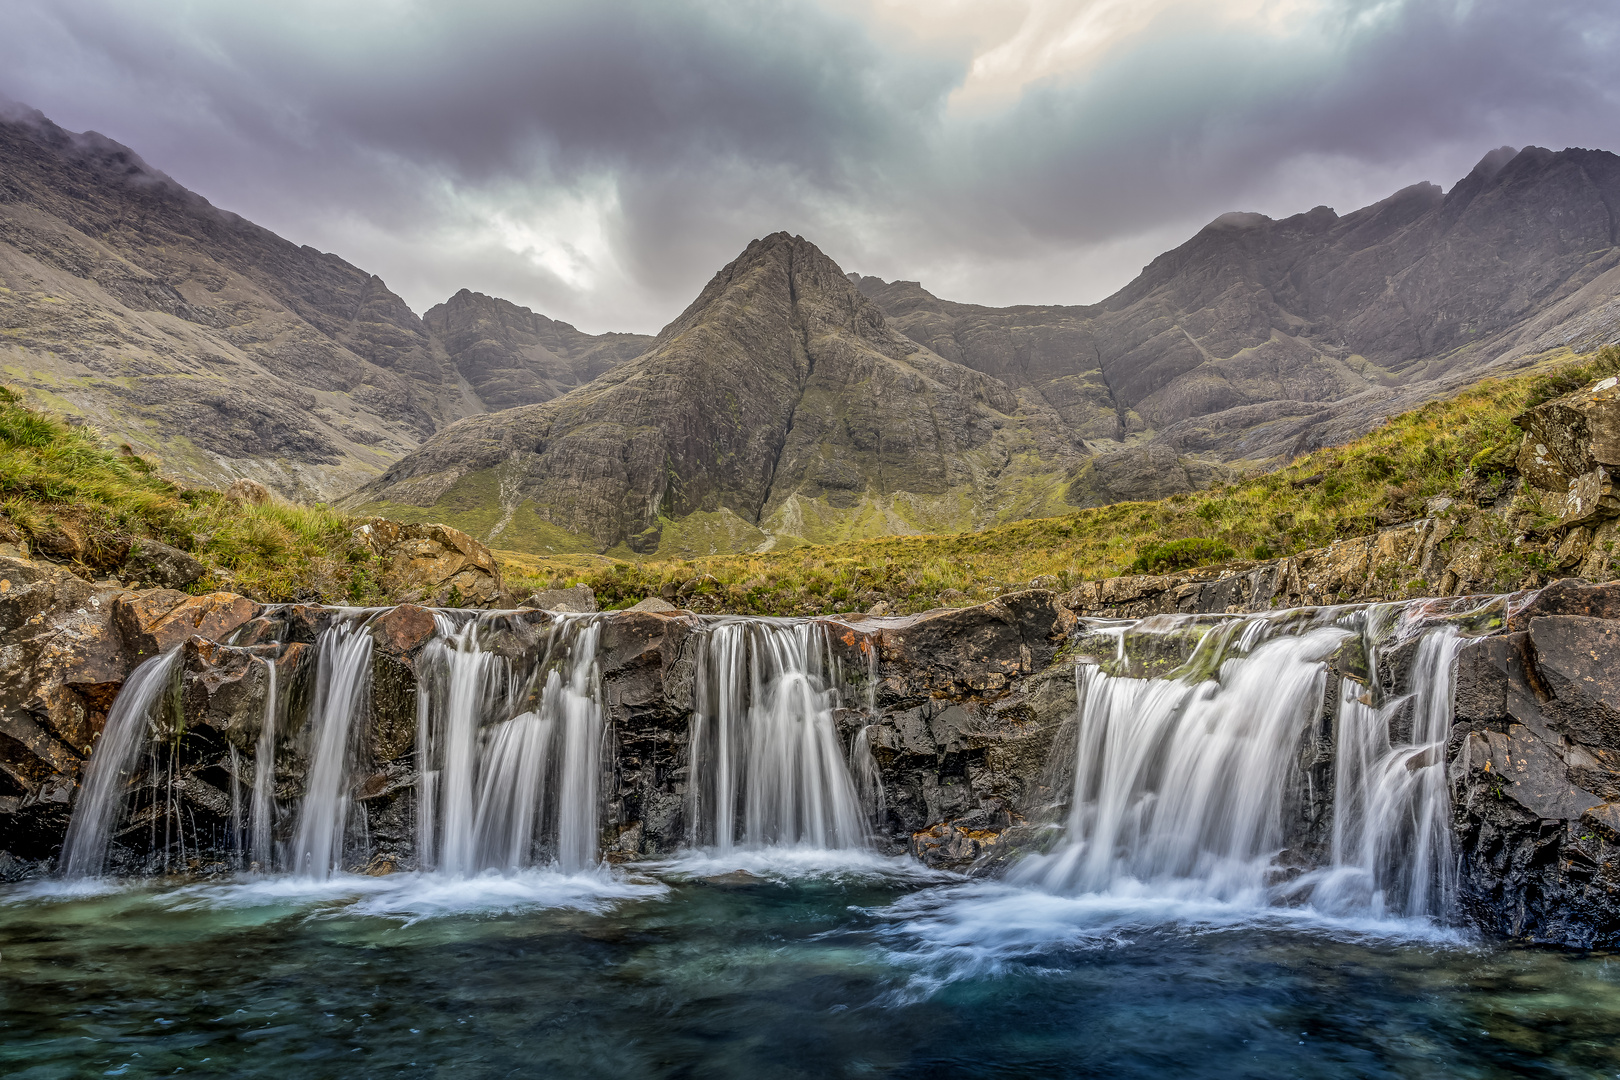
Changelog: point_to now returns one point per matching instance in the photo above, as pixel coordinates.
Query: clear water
(779, 963)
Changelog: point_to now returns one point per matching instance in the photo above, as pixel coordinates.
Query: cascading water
(1182, 783)
(261, 809)
(1392, 808)
(342, 683)
(767, 763)
(510, 754)
(102, 794)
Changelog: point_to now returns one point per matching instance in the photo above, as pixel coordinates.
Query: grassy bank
(1457, 448)
(75, 499)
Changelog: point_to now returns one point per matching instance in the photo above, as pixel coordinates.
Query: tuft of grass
(1181, 554)
(65, 491)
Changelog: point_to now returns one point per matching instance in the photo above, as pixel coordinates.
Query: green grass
(57, 479)
(1459, 447)
(72, 497)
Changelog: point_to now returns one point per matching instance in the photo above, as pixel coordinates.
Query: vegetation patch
(74, 499)
(1181, 554)
(1459, 448)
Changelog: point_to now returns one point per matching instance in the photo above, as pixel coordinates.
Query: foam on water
(796, 862)
(987, 929)
(406, 897)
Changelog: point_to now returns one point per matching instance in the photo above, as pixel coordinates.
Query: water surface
(764, 965)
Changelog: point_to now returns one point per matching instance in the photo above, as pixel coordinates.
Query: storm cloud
(598, 161)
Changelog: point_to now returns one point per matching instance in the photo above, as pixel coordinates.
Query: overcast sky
(598, 161)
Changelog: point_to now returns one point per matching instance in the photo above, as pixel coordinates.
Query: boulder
(1569, 596)
(1571, 435)
(654, 604)
(152, 563)
(579, 599)
(61, 663)
(1579, 681)
(1572, 447)
(433, 564)
(155, 621)
(973, 650)
(223, 687)
(402, 630)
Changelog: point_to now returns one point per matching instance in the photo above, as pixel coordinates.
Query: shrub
(1180, 555)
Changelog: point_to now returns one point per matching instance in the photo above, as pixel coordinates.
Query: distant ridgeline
(791, 402)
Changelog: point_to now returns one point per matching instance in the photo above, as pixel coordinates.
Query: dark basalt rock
(1535, 771)
(152, 563)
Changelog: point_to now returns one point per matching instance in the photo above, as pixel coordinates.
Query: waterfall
(260, 809)
(1180, 784)
(767, 763)
(101, 795)
(510, 754)
(1392, 806)
(342, 682)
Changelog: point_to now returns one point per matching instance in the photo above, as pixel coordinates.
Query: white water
(767, 765)
(342, 684)
(1181, 784)
(1180, 793)
(260, 809)
(1392, 808)
(101, 800)
(508, 782)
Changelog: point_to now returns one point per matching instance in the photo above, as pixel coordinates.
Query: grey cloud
(387, 138)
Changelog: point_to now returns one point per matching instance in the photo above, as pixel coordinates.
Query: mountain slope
(778, 405)
(135, 304)
(511, 356)
(1260, 339)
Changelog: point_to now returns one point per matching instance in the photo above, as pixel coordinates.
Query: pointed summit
(779, 401)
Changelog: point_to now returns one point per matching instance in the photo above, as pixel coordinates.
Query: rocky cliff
(779, 404)
(138, 306)
(511, 356)
(1259, 339)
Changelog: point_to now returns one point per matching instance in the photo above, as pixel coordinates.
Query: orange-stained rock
(404, 628)
(155, 621)
(433, 564)
(60, 663)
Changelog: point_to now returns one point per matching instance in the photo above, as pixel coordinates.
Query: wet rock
(1575, 658)
(433, 564)
(1531, 773)
(1566, 597)
(223, 688)
(1532, 864)
(948, 846)
(152, 563)
(154, 622)
(402, 630)
(981, 649)
(60, 658)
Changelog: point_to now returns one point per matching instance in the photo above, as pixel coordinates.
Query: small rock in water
(734, 879)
